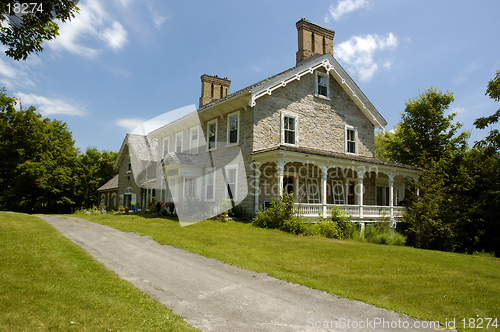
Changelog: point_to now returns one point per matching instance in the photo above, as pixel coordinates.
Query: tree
(425, 134)
(25, 26)
(427, 138)
(38, 158)
(493, 139)
(94, 169)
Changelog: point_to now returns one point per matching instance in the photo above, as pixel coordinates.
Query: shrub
(280, 215)
(381, 233)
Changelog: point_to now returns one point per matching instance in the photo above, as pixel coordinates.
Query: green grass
(48, 283)
(424, 284)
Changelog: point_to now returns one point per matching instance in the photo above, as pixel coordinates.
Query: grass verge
(424, 284)
(48, 283)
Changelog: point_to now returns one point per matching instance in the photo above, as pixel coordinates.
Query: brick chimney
(212, 88)
(313, 39)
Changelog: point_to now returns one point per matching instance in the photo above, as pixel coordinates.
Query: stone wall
(126, 179)
(321, 122)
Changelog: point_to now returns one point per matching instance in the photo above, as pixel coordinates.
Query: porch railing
(355, 211)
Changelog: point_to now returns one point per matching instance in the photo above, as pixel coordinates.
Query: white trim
(227, 169)
(208, 133)
(178, 134)
(333, 68)
(316, 84)
(166, 139)
(296, 118)
(194, 149)
(351, 128)
(229, 116)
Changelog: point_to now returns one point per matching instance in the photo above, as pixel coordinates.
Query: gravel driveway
(214, 296)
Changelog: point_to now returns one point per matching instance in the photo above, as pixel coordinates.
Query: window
(232, 181)
(212, 134)
(193, 142)
(289, 132)
(166, 143)
(190, 187)
(350, 139)
(322, 85)
(210, 186)
(233, 126)
(129, 166)
(178, 142)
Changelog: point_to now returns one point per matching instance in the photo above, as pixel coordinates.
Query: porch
(364, 188)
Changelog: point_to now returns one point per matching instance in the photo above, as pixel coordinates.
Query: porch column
(280, 167)
(324, 173)
(360, 196)
(391, 194)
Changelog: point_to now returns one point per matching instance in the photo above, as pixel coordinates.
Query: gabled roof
(140, 146)
(111, 184)
(308, 66)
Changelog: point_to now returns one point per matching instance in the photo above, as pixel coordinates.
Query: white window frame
(166, 143)
(186, 182)
(316, 84)
(179, 134)
(296, 117)
(227, 169)
(213, 173)
(216, 133)
(232, 115)
(193, 144)
(351, 128)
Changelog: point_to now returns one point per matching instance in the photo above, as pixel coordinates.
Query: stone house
(107, 194)
(308, 130)
(136, 163)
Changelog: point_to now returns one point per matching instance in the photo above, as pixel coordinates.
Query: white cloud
(6, 70)
(464, 74)
(115, 37)
(49, 106)
(130, 124)
(358, 53)
(157, 18)
(12, 75)
(347, 6)
(94, 22)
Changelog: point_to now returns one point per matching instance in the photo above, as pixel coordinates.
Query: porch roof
(310, 153)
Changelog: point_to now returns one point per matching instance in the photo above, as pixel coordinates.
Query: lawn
(424, 284)
(48, 283)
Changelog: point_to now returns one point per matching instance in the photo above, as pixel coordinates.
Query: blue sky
(121, 62)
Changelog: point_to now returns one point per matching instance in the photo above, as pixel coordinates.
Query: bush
(337, 226)
(380, 233)
(280, 215)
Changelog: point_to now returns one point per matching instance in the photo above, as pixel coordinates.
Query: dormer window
(322, 85)
(351, 136)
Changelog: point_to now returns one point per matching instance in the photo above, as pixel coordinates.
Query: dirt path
(214, 296)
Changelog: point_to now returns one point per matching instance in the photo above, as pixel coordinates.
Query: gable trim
(333, 68)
